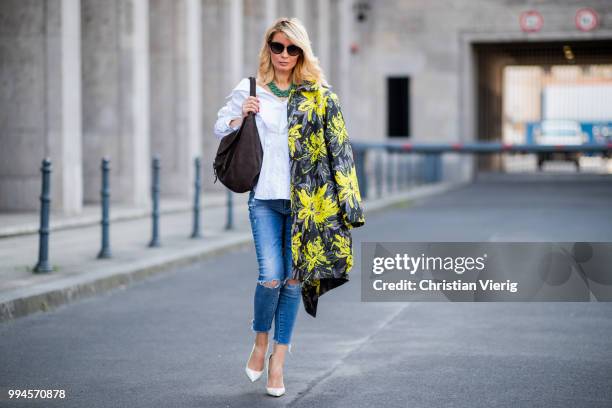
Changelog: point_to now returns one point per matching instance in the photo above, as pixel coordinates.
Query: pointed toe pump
(252, 374)
(274, 391)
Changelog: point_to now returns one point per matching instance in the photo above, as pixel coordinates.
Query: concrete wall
(143, 91)
(169, 84)
(105, 103)
(431, 43)
(216, 84)
(40, 98)
(255, 25)
(115, 105)
(423, 41)
(148, 76)
(23, 120)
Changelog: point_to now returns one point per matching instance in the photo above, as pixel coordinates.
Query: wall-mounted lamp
(361, 10)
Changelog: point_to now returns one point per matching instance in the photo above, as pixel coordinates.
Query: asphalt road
(181, 339)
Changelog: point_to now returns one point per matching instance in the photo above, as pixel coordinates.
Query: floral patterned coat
(325, 198)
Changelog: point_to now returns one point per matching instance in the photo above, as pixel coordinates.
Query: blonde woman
(306, 199)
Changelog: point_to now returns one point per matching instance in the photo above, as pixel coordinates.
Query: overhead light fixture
(568, 53)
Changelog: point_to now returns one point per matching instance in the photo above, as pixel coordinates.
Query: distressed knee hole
(292, 282)
(273, 284)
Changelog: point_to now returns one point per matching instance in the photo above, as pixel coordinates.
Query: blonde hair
(307, 66)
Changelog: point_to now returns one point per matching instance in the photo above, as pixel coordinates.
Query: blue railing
(409, 164)
(481, 147)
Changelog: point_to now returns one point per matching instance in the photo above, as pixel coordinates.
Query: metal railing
(385, 166)
(391, 167)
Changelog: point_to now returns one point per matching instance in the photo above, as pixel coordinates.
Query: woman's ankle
(261, 340)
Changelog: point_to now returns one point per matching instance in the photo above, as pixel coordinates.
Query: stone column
(271, 11)
(195, 85)
(323, 22)
(140, 142)
(216, 79)
(235, 42)
(345, 18)
(286, 8)
(176, 93)
(299, 8)
(116, 98)
(40, 103)
(72, 170)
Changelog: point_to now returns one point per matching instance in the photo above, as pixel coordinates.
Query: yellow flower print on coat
(316, 146)
(348, 187)
(315, 254)
(296, 243)
(338, 128)
(307, 212)
(325, 207)
(344, 250)
(294, 134)
(316, 207)
(312, 103)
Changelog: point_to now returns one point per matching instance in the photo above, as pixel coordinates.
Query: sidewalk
(23, 223)
(75, 241)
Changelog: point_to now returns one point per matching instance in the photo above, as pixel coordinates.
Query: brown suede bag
(239, 156)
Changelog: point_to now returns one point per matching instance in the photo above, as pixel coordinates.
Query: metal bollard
(43, 266)
(155, 195)
(230, 211)
(196, 199)
(105, 252)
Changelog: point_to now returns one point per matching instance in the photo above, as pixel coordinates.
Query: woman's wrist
(235, 123)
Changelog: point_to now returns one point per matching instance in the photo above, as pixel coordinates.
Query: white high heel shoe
(252, 374)
(274, 391)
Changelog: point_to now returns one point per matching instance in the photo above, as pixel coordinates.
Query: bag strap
(253, 86)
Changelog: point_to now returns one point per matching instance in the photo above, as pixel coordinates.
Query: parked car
(559, 132)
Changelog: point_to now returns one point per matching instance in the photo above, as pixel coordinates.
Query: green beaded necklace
(278, 92)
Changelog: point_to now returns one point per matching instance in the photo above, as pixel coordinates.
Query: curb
(46, 297)
(121, 214)
(67, 290)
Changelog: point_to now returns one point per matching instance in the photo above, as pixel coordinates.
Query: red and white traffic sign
(531, 21)
(586, 19)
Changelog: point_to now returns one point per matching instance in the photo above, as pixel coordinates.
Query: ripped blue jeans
(274, 297)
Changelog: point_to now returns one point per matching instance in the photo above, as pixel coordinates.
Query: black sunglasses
(278, 48)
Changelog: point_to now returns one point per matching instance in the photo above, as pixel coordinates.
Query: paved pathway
(182, 338)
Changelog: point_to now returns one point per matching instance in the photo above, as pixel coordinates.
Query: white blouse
(271, 120)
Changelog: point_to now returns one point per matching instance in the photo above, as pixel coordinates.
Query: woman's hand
(250, 104)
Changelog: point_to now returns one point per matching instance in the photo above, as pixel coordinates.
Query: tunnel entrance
(528, 91)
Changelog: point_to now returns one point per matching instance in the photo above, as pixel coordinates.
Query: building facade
(129, 79)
